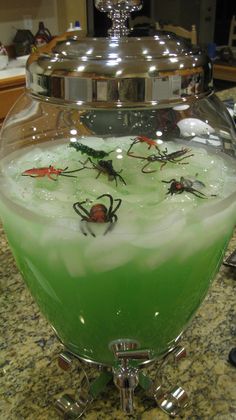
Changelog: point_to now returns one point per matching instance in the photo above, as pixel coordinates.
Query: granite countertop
(227, 93)
(30, 378)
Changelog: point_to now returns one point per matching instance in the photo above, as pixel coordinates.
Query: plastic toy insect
(96, 154)
(98, 214)
(49, 171)
(164, 157)
(143, 139)
(106, 167)
(178, 187)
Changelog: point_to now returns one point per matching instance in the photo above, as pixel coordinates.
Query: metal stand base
(126, 375)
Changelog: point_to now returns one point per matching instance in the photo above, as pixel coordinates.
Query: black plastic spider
(98, 214)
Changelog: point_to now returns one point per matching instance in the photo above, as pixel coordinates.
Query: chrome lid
(119, 71)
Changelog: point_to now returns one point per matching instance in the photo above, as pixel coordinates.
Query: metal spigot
(126, 379)
(126, 372)
(118, 11)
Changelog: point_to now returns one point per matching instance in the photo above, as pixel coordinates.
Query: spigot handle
(133, 354)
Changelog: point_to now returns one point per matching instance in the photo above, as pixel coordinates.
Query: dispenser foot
(126, 374)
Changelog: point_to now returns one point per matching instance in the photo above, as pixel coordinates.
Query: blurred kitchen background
(26, 14)
(211, 17)
(27, 24)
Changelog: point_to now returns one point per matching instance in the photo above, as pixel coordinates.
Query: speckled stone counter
(30, 378)
(227, 93)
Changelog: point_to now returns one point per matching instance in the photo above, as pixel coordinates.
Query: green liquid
(142, 282)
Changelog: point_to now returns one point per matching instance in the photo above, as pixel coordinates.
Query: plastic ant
(98, 214)
(49, 171)
(178, 187)
(143, 139)
(164, 157)
(106, 167)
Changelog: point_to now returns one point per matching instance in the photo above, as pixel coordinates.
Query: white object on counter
(75, 27)
(15, 68)
(3, 57)
(3, 61)
(20, 61)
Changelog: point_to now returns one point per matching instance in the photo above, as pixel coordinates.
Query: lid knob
(118, 11)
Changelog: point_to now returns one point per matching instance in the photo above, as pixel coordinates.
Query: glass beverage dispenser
(118, 196)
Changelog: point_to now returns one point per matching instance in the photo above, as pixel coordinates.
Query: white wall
(13, 13)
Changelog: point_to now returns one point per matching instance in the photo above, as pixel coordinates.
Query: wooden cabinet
(10, 90)
(222, 71)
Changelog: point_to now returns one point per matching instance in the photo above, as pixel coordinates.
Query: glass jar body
(118, 219)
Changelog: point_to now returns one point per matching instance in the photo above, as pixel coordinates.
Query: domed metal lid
(119, 71)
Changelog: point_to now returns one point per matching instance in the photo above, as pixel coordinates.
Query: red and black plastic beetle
(98, 213)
